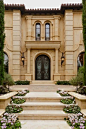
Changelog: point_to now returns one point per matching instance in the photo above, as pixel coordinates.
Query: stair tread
(44, 112)
(43, 94)
(42, 104)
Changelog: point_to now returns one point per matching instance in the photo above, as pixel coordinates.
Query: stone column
(28, 19)
(57, 18)
(51, 32)
(56, 75)
(28, 61)
(43, 32)
(56, 61)
(28, 74)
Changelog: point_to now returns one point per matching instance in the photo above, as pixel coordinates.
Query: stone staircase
(42, 106)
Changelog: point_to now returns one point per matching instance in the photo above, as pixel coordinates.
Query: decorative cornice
(53, 11)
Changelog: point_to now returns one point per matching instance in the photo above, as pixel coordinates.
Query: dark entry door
(42, 68)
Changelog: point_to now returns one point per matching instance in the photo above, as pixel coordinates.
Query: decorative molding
(43, 44)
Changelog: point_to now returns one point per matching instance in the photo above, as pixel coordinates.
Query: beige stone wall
(67, 29)
(73, 41)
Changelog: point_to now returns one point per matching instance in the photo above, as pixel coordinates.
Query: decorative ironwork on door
(42, 68)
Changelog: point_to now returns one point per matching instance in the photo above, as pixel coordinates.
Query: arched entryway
(6, 63)
(42, 68)
(80, 60)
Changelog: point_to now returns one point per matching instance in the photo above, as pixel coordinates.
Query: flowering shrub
(13, 109)
(76, 121)
(72, 109)
(17, 100)
(22, 93)
(68, 100)
(64, 93)
(10, 121)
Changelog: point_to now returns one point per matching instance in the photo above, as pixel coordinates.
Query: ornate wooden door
(42, 68)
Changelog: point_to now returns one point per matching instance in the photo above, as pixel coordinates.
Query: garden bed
(10, 121)
(22, 93)
(68, 100)
(17, 100)
(72, 109)
(13, 109)
(76, 121)
(63, 93)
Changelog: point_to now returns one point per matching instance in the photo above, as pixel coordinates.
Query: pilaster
(69, 60)
(56, 19)
(56, 75)
(16, 44)
(28, 74)
(28, 19)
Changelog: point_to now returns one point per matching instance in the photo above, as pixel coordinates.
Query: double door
(42, 68)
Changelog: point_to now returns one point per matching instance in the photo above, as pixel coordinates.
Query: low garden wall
(5, 99)
(80, 99)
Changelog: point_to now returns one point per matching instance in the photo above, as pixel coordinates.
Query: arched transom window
(47, 31)
(38, 31)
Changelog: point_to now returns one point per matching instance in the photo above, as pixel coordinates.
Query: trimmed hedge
(22, 82)
(63, 83)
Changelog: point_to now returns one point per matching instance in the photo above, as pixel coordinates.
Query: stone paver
(44, 124)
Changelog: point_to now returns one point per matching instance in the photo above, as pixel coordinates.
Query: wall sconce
(23, 58)
(62, 58)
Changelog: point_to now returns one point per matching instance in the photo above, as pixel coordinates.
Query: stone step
(42, 115)
(41, 82)
(42, 106)
(42, 99)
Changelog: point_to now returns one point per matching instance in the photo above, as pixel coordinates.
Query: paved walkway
(44, 124)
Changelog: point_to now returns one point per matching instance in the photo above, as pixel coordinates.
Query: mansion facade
(43, 44)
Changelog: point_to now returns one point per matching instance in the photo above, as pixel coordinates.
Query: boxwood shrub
(22, 82)
(63, 83)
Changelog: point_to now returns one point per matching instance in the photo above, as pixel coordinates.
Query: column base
(28, 77)
(57, 77)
